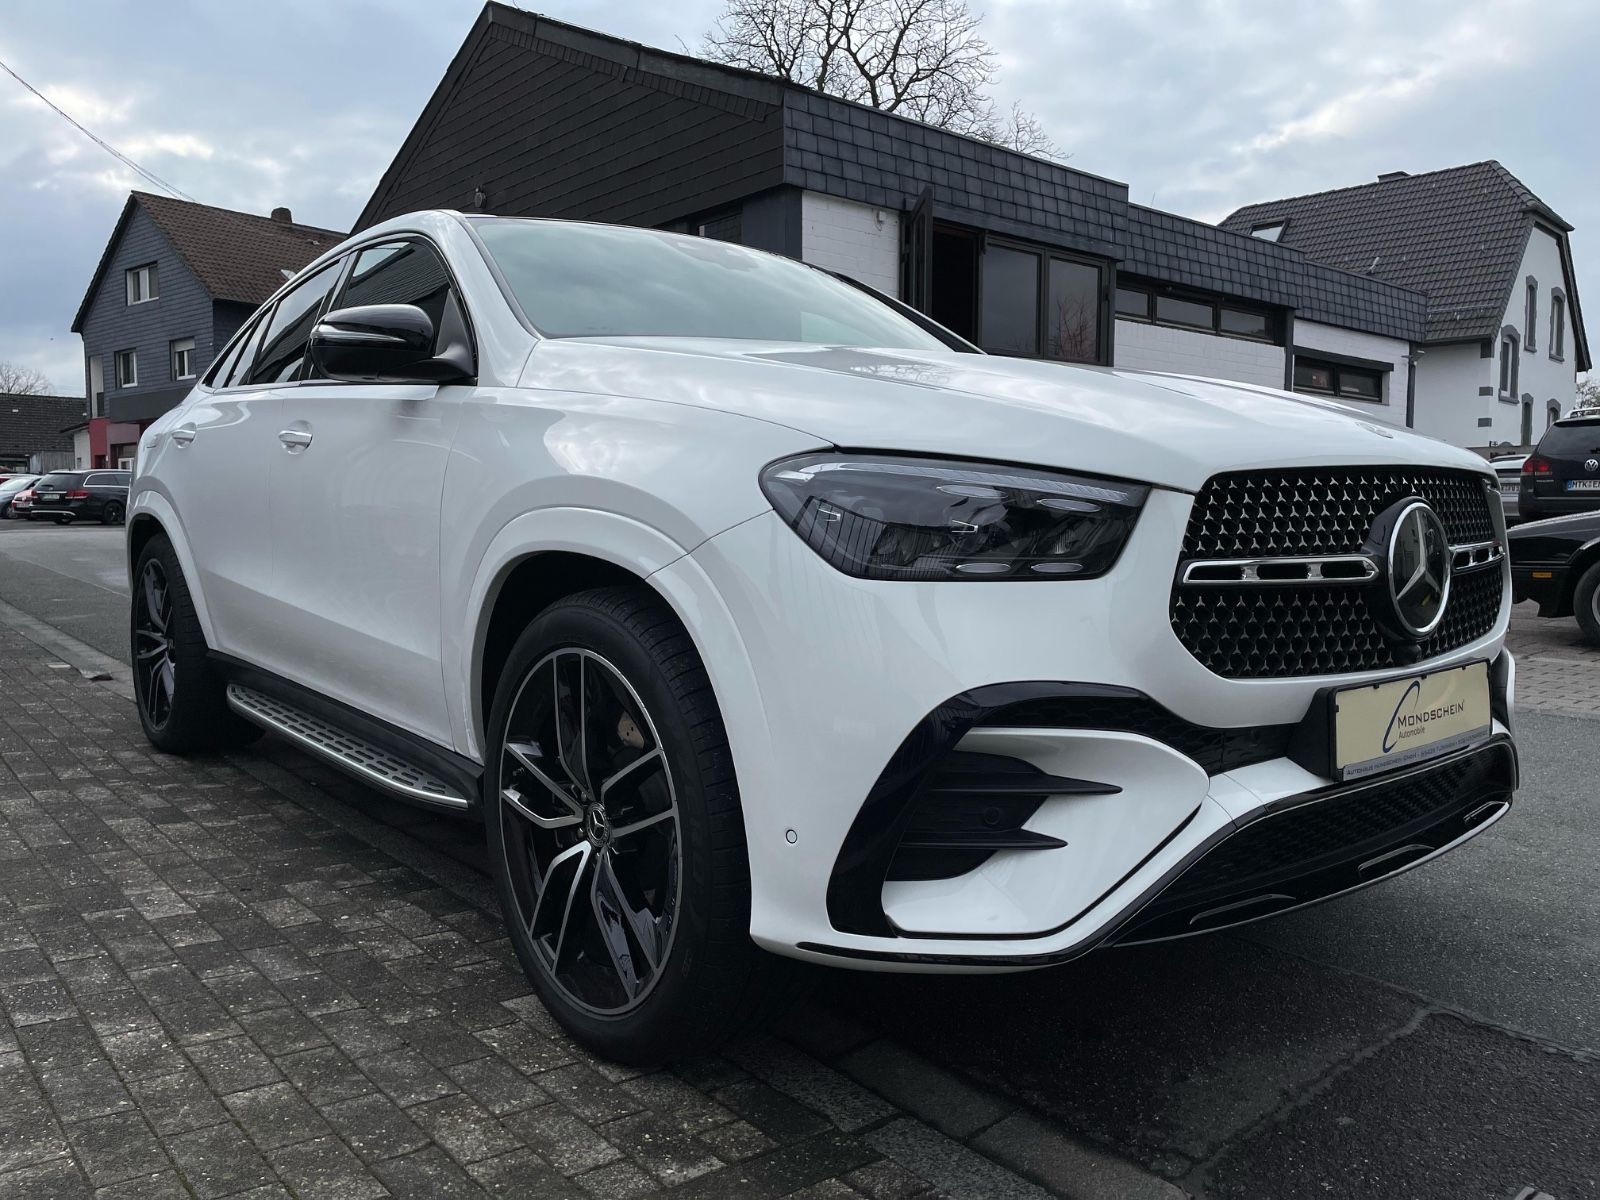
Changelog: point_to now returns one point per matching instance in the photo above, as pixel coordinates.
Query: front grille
(1269, 631)
(1329, 845)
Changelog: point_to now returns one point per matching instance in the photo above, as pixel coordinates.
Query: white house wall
(1449, 405)
(1147, 347)
(1539, 376)
(858, 240)
(1311, 336)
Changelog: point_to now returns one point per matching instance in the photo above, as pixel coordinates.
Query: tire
(668, 817)
(177, 690)
(1586, 603)
(63, 520)
(112, 513)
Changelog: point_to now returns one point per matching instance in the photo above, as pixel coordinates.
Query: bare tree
(1588, 394)
(18, 380)
(920, 58)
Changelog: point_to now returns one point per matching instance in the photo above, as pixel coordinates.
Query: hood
(1172, 430)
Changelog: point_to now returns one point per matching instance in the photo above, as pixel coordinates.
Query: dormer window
(1268, 231)
(142, 284)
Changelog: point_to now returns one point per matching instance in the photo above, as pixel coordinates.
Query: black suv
(1563, 474)
(63, 496)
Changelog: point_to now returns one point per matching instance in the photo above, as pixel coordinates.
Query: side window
(402, 273)
(239, 364)
(283, 348)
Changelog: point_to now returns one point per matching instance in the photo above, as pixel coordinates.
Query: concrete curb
(85, 659)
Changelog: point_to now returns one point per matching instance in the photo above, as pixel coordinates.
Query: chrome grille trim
(1363, 570)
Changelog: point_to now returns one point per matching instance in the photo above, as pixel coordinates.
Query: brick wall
(841, 235)
(1184, 351)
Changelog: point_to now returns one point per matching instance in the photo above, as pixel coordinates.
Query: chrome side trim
(361, 758)
(1476, 554)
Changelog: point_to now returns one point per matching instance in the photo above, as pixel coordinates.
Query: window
(400, 273)
(1558, 325)
(1350, 381)
(1174, 310)
(1140, 302)
(726, 228)
(1072, 315)
(1531, 313)
(1552, 413)
(127, 368)
(1508, 366)
(283, 346)
(142, 284)
(1133, 302)
(183, 358)
(1010, 316)
(1268, 231)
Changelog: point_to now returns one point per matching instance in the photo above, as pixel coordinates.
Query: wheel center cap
(595, 826)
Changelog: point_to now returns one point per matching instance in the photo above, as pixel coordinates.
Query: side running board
(363, 759)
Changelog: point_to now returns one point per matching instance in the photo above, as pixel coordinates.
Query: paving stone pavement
(218, 978)
(1558, 669)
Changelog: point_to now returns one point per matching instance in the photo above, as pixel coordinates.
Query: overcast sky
(1198, 105)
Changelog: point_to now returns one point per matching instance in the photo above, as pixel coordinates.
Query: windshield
(613, 281)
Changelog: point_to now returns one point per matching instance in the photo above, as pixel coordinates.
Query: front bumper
(845, 671)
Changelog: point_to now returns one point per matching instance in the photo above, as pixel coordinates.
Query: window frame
(1155, 292)
(1558, 326)
(1337, 367)
(1260, 229)
(1044, 254)
(174, 348)
(1530, 320)
(150, 277)
(345, 258)
(1510, 352)
(118, 357)
(336, 270)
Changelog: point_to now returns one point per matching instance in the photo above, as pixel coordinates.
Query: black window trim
(1105, 339)
(1155, 291)
(1530, 316)
(1341, 362)
(340, 269)
(1557, 349)
(1509, 373)
(346, 257)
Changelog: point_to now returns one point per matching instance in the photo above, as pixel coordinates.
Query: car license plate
(1406, 721)
(1583, 485)
(1510, 489)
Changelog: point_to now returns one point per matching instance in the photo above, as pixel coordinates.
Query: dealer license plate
(1406, 721)
(1583, 485)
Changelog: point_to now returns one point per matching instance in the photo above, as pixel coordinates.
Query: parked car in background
(21, 505)
(10, 488)
(756, 618)
(65, 496)
(1509, 468)
(1557, 563)
(1562, 475)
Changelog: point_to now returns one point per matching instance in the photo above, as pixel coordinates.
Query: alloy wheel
(155, 672)
(591, 834)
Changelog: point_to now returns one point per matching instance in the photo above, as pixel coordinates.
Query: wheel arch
(149, 514)
(1577, 567)
(543, 556)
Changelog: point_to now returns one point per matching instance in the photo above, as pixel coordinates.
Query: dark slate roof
(1456, 235)
(555, 120)
(34, 424)
(235, 255)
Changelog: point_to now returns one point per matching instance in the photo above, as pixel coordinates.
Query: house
(35, 431)
(1504, 336)
(175, 282)
(535, 117)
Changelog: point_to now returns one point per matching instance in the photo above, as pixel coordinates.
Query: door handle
(183, 434)
(294, 440)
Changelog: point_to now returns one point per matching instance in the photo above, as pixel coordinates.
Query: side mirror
(385, 343)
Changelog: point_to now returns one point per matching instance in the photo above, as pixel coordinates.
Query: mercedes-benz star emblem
(1418, 562)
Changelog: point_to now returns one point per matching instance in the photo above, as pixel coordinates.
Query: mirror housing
(386, 343)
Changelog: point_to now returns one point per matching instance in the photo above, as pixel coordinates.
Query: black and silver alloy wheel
(616, 834)
(154, 670)
(590, 831)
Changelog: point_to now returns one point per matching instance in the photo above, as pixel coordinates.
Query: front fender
(622, 541)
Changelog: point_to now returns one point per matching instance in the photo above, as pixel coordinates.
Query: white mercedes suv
(759, 618)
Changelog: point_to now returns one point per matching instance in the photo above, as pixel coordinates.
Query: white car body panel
(365, 568)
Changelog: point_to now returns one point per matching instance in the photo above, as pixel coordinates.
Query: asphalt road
(1435, 1036)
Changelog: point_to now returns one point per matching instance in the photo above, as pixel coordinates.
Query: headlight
(880, 516)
